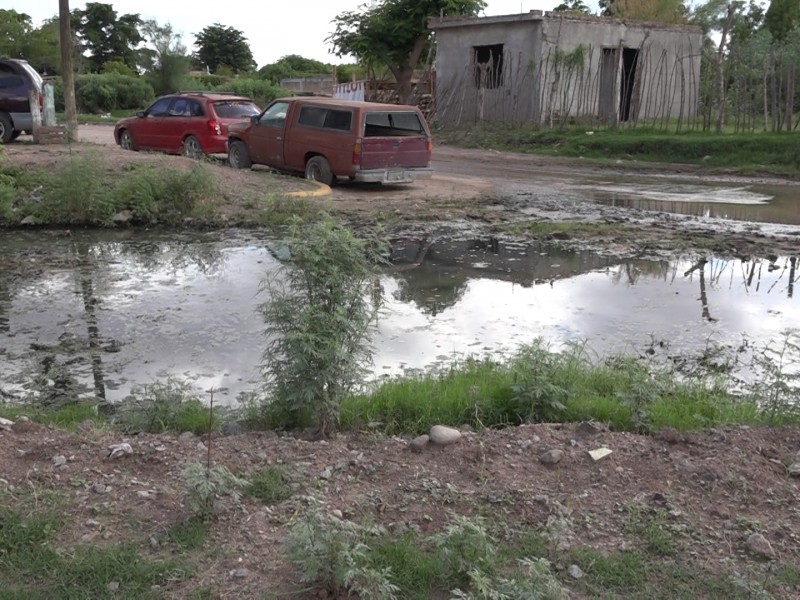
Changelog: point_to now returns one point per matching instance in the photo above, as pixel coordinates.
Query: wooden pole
(65, 32)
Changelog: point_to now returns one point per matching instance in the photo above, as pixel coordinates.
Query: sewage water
(110, 311)
(756, 203)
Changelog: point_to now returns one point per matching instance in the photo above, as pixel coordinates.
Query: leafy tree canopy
(573, 6)
(660, 11)
(19, 39)
(394, 33)
(105, 37)
(293, 65)
(223, 47)
(782, 17)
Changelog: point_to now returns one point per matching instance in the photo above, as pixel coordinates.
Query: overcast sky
(273, 29)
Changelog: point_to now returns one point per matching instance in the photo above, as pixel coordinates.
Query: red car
(188, 123)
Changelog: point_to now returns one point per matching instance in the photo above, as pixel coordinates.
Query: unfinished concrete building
(556, 68)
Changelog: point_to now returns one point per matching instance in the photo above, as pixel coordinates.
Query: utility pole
(65, 32)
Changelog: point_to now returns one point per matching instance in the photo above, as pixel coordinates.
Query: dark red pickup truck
(327, 138)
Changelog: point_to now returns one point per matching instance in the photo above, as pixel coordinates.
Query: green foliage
(163, 406)
(165, 60)
(219, 47)
(291, 66)
(164, 195)
(76, 193)
(104, 36)
(777, 390)
(781, 17)
(270, 486)
(754, 152)
(334, 554)
(465, 547)
(573, 6)
(106, 93)
(568, 386)
(32, 566)
(533, 581)
(319, 321)
(118, 67)
(262, 92)
(207, 487)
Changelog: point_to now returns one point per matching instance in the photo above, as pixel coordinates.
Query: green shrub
(106, 92)
(206, 487)
(261, 91)
(319, 321)
(77, 193)
(163, 406)
(270, 486)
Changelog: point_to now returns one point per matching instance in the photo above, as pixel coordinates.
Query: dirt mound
(706, 492)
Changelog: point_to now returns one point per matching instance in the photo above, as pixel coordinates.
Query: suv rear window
(9, 80)
(378, 124)
(327, 118)
(233, 109)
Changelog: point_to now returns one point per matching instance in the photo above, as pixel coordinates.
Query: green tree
(661, 11)
(293, 65)
(318, 322)
(164, 59)
(573, 6)
(104, 36)
(219, 46)
(782, 17)
(394, 34)
(15, 28)
(43, 48)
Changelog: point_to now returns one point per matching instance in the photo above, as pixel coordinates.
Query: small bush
(163, 195)
(334, 554)
(261, 91)
(77, 193)
(163, 406)
(207, 487)
(269, 486)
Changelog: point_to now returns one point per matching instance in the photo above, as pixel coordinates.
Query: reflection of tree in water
(630, 272)
(431, 289)
(90, 259)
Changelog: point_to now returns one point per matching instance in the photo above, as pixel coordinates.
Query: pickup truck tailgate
(394, 152)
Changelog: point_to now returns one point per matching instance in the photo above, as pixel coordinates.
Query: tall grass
(539, 385)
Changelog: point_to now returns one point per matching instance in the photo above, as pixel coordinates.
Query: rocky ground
(722, 503)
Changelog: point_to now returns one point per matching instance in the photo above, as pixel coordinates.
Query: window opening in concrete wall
(488, 66)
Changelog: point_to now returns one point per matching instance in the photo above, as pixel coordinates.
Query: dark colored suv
(189, 123)
(17, 80)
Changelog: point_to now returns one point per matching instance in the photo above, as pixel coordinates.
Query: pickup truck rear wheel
(238, 156)
(318, 169)
(6, 129)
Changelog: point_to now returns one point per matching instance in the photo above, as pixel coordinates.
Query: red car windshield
(235, 109)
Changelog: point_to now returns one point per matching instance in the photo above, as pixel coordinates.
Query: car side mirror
(140, 114)
(254, 119)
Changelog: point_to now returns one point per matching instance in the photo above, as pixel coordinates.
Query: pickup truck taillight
(430, 149)
(215, 127)
(41, 102)
(357, 152)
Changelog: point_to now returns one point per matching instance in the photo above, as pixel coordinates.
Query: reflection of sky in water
(202, 324)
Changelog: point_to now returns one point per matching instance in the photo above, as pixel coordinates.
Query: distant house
(560, 67)
(321, 85)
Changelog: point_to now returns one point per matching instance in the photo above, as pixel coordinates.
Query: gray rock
(234, 428)
(59, 460)
(186, 435)
(758, 545)
(239, 573)
(575, 572)
(551, 457)
(101, 488)
(419, 443)
(326, 474)
(29, 220)
(93, 524)
(122, 216)
(153, 542)
(201, 447)
(590, 428)
(6, 424)
(444, 436)
(794, 469)
(118, 450)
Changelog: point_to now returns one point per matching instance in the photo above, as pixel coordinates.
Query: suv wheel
(192, 148)
(318, 169)
(6, 129)
(238, 157)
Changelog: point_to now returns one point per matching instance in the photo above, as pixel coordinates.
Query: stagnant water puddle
(113, 310)
(761, 203)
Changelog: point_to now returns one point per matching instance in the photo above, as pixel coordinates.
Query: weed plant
(77, 193)
(270, 486)
(208, 486)
(540, 385)
(319, 319)
(163, 406)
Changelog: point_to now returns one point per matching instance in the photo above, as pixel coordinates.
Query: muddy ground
(705, 494)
